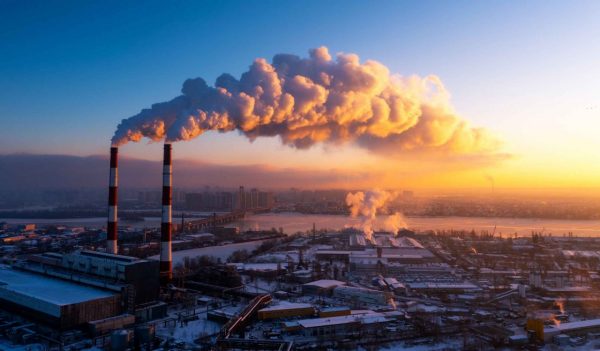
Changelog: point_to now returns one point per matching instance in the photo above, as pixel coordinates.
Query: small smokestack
(165, 227)
(113, 183)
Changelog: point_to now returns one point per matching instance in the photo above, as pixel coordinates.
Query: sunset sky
(528, 72)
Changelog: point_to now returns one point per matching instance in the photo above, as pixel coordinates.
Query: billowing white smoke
(317, 99)
(366, 205)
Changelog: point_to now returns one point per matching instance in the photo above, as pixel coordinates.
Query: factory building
(370, 256)
(321, 287)
(354, 324)
(136, 279)
(385, 253)
(362, 295)
(579, 328)
(56, 302)
(132, 282)
(334, 312)
(333, 255)
(286, 310)
(383, 239)
(443, 287)
(547, 334)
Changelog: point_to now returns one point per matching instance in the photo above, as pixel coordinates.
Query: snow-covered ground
(450, 344)
(193, 329)
(222, 252)
(190, 331)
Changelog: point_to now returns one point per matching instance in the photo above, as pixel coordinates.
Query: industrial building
(286, 310)
(56, 302)
(386, 253)
(548, 333)
(136, 279)
(362, 295)
(321, 287)
(443, 287)
(383, 239)
(69, 290)
(334, 311)
(369, 322)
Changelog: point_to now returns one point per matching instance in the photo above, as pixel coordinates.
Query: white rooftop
(564, 327)
(366, 318)
(55, 291)
(318, 322)
(284, 305)
(326, 283)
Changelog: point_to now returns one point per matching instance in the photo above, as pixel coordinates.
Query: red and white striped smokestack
(113, 183)
(165, 227)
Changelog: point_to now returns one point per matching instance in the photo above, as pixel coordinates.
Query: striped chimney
(113, 183)
(165, 227)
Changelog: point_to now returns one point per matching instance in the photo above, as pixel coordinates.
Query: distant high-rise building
(242, 198)
(265, 199)
(228, 201)
(254, 198)
(193, 201)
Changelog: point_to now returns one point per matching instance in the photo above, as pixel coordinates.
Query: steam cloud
(367, 204)
(317, 99)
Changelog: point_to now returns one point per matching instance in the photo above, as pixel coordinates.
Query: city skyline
(524, 72)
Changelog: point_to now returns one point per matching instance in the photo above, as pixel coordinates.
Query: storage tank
(119, 340)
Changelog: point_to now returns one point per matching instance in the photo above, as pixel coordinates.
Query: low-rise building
(285, 309)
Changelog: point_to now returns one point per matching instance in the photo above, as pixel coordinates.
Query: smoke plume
(312, 100)
(367, 204)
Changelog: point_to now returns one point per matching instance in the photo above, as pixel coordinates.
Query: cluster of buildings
(324, 289)
(240, 200)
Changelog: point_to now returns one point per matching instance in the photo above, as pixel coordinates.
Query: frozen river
(294, 222)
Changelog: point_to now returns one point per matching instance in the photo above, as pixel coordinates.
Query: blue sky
(71, 70)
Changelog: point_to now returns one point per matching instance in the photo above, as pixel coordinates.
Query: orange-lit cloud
(319, 99)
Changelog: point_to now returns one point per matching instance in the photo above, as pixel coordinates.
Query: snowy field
(222, 252)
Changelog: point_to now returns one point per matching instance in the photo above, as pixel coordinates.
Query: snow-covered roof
(49, 290)
(285, 305)
(259, 267)
(564, 327)
(335, 308)
(442, 285)
(319, 322)
(367, 318)
(325, 283)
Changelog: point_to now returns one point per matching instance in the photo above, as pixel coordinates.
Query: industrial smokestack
(165, 227)
(111, 228)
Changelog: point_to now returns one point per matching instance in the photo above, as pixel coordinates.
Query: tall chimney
(165, 227)
(113, 183)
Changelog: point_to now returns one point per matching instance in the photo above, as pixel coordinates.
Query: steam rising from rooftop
(312, 100)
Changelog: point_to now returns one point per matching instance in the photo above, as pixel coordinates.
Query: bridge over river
(215, 220)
